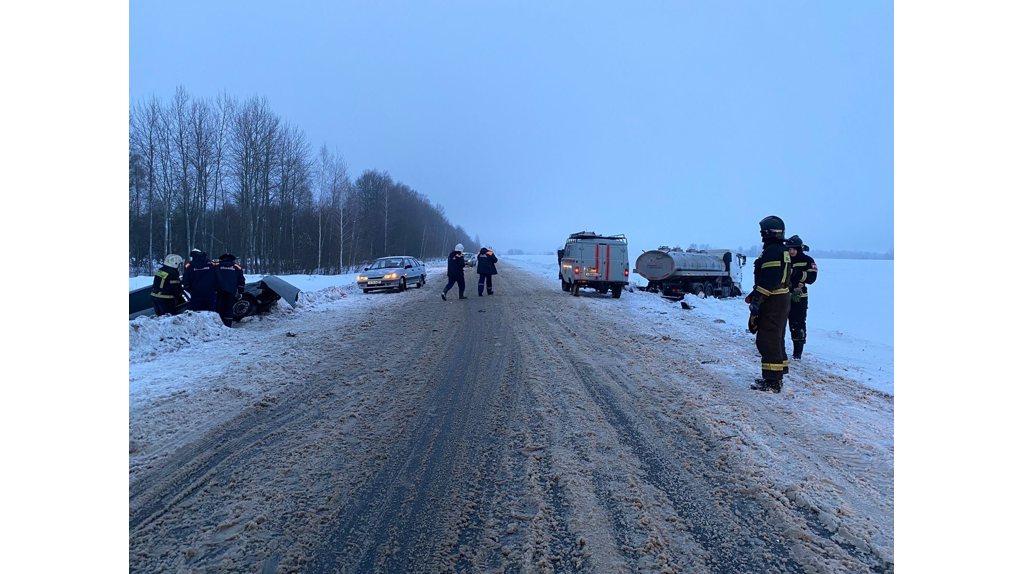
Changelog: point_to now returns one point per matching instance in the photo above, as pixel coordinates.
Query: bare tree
(179, 121)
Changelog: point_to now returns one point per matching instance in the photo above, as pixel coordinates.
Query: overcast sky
(671, 122)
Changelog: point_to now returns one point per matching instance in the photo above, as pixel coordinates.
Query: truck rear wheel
(709, 290)
(616, 291)
(575, 290)
(565, 285)
(697, 289)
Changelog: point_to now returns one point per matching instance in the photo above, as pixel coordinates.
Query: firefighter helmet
(172, 260)
(458, 247)
(797, 243)
(772, 227)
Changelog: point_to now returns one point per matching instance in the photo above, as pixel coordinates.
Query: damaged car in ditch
(258, 297)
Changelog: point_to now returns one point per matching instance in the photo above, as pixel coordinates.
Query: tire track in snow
(429, 499)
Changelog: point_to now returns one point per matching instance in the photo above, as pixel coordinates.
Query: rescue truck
(592, 261)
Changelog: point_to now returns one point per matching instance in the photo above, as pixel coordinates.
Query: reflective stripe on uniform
(801, 264)
(161, 296)
(772, 367)
(763, 290)
(771, 264)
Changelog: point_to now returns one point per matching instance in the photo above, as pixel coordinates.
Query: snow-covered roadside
(869, 361)
(174, 356)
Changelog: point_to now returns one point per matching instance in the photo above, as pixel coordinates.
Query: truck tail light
(626, 272)
(576, 270)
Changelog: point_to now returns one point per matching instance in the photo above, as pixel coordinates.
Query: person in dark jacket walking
(200, 281)
(486, 269)
(230, 285)
(805, 272)
(456, 273)
(168, 292)
(769, 304)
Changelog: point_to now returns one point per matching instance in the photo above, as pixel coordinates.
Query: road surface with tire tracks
(529, 431)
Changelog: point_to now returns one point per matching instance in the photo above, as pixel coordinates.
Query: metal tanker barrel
(662, 265)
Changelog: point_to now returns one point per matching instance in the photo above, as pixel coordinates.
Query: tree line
(755, 250)
(224, 175)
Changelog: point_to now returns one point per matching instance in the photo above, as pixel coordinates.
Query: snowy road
(525, 432)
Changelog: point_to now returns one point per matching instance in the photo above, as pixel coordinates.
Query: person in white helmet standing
(456, 273)
(168, 294)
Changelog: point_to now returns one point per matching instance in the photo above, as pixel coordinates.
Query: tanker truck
(674, 272)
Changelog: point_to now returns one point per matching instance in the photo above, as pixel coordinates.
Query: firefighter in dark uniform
(805, 272)
(168, 292)
(230, 285)
(201, 282)
(456, 273)
(769, 304)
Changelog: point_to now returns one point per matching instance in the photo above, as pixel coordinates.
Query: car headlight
(360, 278)
(391, 276)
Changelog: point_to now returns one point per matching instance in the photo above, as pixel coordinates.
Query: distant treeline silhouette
(755, 250)
(228, 176)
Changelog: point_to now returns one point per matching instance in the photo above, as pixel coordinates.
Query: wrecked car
(258, 297)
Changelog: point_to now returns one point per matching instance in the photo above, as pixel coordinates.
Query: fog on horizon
(671, 123)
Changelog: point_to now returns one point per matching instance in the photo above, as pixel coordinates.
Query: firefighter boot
(768, 386)
(798, 350)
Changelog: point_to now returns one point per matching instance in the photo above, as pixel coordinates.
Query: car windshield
(387, 263)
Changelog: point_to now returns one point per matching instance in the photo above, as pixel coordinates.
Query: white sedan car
(396, 272)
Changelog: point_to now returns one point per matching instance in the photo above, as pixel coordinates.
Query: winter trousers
(462, 285)
(164, 306)
(798, 325)
(480, 285)
(203, 302)
(225, 307)
(771, 337)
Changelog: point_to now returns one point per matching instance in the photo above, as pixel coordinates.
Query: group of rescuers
(485, 268)
(211, 285)
(781, 275)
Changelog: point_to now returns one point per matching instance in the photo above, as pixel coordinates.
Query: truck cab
(734, 269)
(592, 261)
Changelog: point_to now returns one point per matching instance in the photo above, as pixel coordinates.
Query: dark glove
(752, 324)
(755, 308)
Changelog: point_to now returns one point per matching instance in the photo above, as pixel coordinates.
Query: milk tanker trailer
(674, 273)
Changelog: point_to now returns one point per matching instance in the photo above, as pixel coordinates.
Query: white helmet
(172, 260)
(458, 247)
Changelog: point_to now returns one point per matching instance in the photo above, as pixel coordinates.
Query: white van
(593, 261)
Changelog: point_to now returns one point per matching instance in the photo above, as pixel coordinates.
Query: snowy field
(849, 319)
